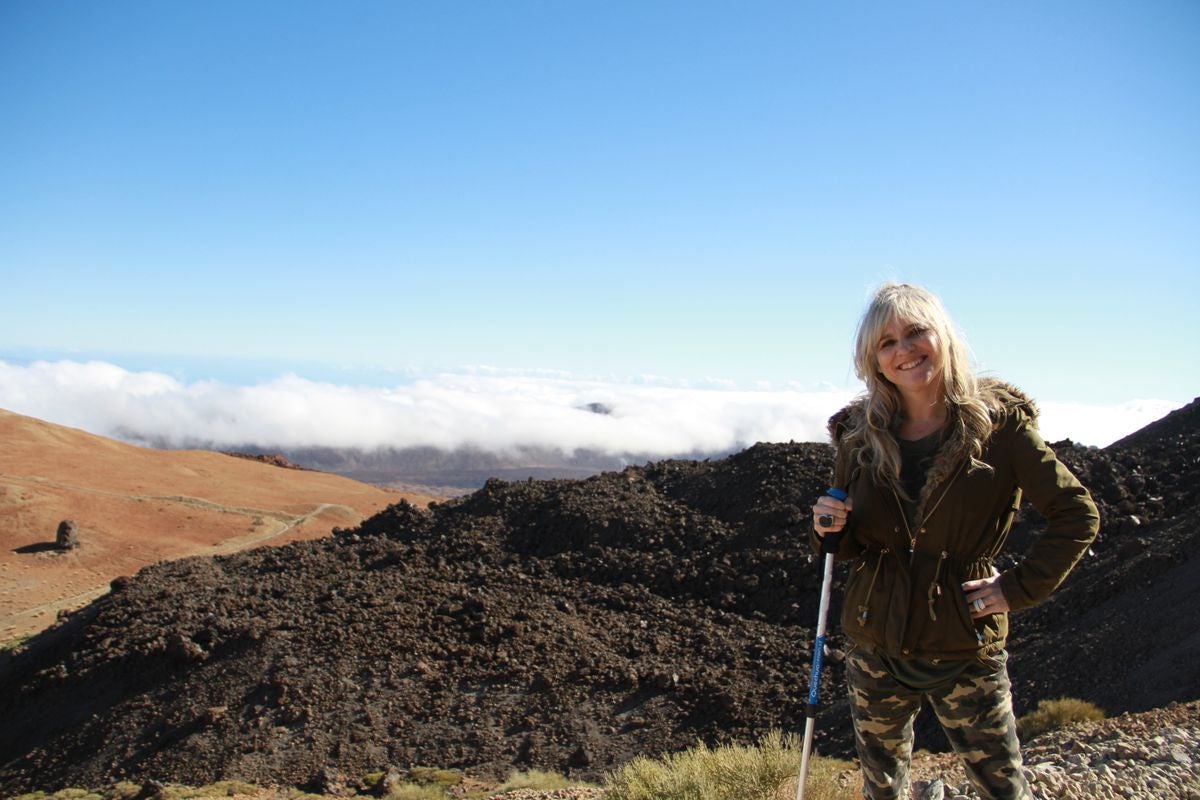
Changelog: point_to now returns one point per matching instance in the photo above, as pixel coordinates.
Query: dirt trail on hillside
(264, 526)
(95, 563)
(289, 520)
(135, 506)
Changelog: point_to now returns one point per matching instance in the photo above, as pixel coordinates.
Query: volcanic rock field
(565, 625)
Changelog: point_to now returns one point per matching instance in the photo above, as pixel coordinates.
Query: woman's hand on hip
(985, 597)
(835, 512)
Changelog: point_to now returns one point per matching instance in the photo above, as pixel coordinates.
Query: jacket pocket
(950, 622)
(869, 595)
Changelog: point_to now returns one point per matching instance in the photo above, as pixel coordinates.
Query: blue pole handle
(829, 544)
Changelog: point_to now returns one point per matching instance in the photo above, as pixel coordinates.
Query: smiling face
(909, 355)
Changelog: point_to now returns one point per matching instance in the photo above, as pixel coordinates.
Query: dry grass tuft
(1054, 714)
(763, 772)
(416, 791)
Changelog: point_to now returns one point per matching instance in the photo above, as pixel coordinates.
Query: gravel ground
(1154, 754)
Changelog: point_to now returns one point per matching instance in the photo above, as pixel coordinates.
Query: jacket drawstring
(935, 588)
(864, 612)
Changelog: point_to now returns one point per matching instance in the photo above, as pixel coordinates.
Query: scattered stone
(666, 680)
(581, 757)
(389, 784)
(333, 781)
(214, 714)
(933, 790)
(184, 649)
(151, 790)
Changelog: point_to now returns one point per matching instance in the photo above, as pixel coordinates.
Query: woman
(935, 460)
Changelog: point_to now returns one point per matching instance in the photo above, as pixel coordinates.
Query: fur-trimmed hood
(1004, 395)
(1002, 398)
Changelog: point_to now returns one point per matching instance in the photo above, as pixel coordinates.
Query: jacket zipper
(935, 589)
(912, 537)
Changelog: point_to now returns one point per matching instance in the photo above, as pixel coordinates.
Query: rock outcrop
(67, 536)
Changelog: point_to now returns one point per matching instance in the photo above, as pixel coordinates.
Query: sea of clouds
(485, 409)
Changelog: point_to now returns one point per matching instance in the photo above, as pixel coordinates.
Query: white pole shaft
(814, 681)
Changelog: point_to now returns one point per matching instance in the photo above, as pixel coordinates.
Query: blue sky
(368, 193)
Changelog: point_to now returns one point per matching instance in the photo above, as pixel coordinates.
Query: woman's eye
(886, 343)
(916, 330)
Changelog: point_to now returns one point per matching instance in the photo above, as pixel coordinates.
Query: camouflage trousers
(975, 710)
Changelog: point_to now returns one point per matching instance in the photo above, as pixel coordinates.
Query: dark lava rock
(274, 459)
(565, 625)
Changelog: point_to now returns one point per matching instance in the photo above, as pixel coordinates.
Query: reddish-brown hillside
(135, 506)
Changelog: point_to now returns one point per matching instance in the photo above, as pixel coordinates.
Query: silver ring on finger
(979, 604)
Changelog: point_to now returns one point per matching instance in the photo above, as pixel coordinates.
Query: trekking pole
(829, 546)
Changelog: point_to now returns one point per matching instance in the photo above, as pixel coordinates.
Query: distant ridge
(446, 472)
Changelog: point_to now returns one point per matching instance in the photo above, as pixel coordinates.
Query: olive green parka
(903, 594)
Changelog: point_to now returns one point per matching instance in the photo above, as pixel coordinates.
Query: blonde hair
(969, 421)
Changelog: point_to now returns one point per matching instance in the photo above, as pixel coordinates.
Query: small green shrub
(438, 777)
(75, 794)
(218, 789)
(730, 772)
(1054, 714)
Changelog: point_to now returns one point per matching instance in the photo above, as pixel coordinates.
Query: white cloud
(1099, 425)
(483, 407)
